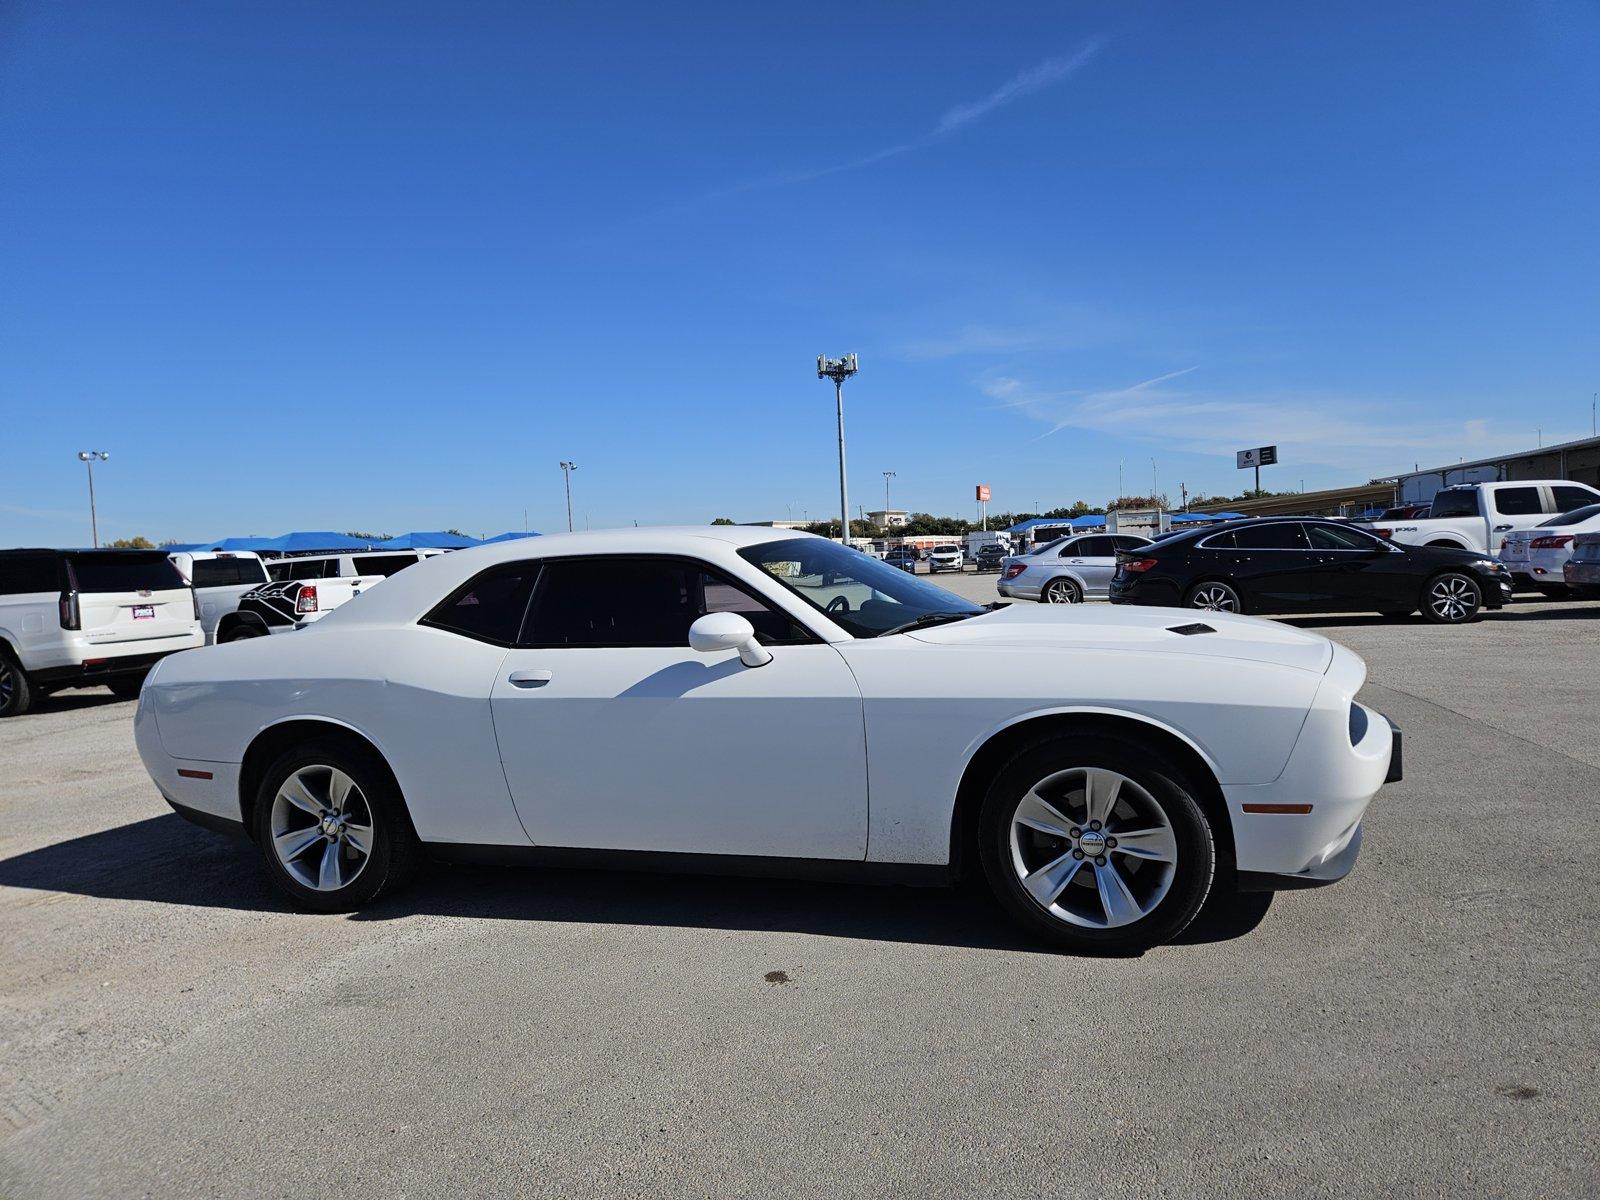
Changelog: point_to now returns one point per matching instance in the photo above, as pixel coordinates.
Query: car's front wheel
(332, 827)
(1096, 844)
(1062, 591)
(1452, 598)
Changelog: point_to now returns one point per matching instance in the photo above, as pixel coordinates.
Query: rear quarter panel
(421, 696)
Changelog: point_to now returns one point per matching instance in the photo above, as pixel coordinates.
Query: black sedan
(1302, 564)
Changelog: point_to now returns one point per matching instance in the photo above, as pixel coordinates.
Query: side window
(636, 602)
(382, 564)
(311, 568)
(1517, 501)
(1281, 535)
(1337, 537)
(1128, 543)
(1219, 541)
(23, 574)
(1569, 498)
(1462, 503)
(278, 571)
(489, 607)
(1091, 547)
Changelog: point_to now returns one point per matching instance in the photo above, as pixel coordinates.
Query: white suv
(81, 618)
(946, 558)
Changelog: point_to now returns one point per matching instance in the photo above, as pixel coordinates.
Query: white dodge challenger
(730, 700)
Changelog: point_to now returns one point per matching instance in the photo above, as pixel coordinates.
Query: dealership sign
(1261, 456)
(983, 492)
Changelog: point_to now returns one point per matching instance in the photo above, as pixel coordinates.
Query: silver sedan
(1068, 570)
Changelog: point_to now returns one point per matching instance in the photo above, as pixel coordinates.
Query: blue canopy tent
(301, 543)
(428, 541)
(1089, 521)
(239, 543)
(511, 537)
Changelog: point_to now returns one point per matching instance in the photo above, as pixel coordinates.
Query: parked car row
(1068, 570)
(85, 618)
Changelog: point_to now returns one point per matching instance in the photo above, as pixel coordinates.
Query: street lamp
(887, 475)
(838, 370)
(567, 468)
(87, 458)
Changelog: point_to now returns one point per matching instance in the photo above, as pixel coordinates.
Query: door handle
(529, 679)
(1501, 528)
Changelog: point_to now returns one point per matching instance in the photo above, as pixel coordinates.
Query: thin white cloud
(1035, 79)
(1367, 436)
(1051, 71)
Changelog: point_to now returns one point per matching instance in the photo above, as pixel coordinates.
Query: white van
(82, 618)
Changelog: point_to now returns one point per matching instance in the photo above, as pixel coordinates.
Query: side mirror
(728, 631)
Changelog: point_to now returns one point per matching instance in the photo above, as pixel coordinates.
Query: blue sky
(341, 266)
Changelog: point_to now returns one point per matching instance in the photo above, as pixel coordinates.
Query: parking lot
(170, 1028)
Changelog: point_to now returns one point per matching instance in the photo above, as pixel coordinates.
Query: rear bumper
(103, 663)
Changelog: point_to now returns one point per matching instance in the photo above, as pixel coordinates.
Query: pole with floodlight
(567, 468)
(87, 458)
(838, 370)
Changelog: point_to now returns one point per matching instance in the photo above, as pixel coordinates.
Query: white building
(889, 518)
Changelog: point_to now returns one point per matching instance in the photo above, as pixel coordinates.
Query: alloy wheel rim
(1060, 591)
(1093, 848)
(1452, 598)
(321, 828)
(8, 684)
(1214, 598)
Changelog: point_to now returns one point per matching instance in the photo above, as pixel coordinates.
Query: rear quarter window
(22, 574)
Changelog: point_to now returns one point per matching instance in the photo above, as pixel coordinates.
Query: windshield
(110, 571)
(860, 593)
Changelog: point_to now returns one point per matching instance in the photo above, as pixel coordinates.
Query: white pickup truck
(307, 588)
(1477, 516)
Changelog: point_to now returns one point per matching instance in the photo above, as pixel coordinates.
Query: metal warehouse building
(1578, 461)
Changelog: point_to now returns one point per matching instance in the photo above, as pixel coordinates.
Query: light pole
(567, 468)
(887, 475)
(838, 370)
(87, 458)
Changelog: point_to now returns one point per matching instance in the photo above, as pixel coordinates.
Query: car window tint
(1573, 516)
(382, 564)
(1089, 547)
(490, 607)
(114, 571)
(1218, 541)
(1570, 498)
(312, 568)
(1340, 537)
(1517, 501)
(22, 574)
(637, 602)
(221, 572)
(1282, 535)
(1463, 503)
(1128, 543)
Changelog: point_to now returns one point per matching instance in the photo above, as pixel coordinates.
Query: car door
(1357, 572)
(1273, 568)
(616, 735)
(1092, 559)
(1516, 506)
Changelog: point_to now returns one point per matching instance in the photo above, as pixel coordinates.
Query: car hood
(1151, 630)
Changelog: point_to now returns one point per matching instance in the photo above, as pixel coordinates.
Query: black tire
(1158, 782)
(242, 631)
(1228, 599)
(16, 690)
(1061, 591)
(393, 852)
(127, 686)
(1452, 598)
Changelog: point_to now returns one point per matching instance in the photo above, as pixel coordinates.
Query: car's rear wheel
(1062, 591)
(1214, 596)
(127, 686)
(332, 827)
(1452, 599)
(1096, 844)
(16, 692)
(242, 631)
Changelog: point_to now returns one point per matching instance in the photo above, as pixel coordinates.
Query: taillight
(1552, 542)
(1140, 564)
(306, 601)
(1015, 569)
(71, 618)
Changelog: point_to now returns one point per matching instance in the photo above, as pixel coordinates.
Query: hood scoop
(1190, 630)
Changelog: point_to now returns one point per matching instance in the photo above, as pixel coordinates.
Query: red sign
(983, 491)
